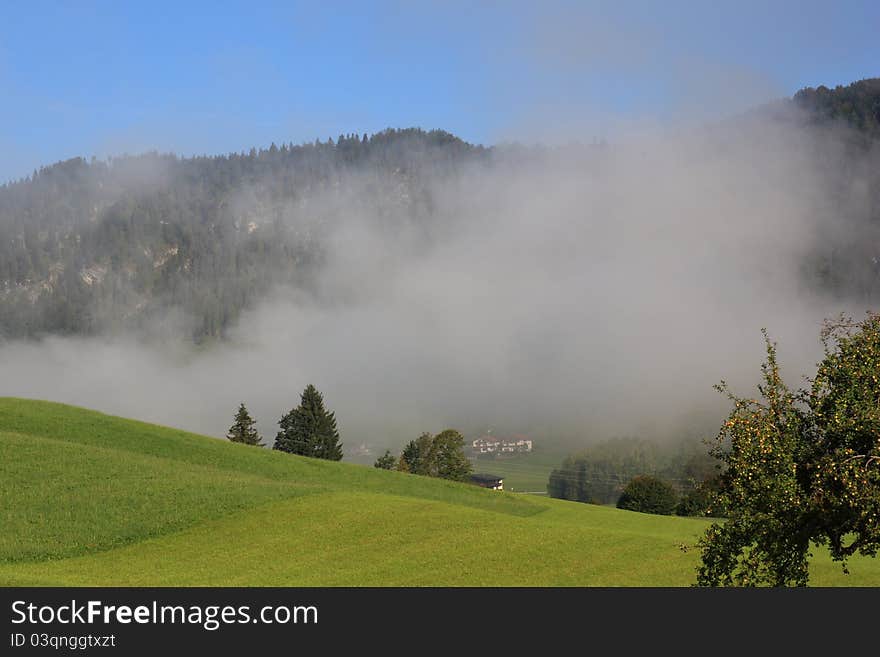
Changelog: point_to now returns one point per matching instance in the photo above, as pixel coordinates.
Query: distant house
(494, 445)
(488, 481)
(362, 450)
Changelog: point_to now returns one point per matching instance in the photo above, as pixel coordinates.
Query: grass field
(523, 473)
(91, 499)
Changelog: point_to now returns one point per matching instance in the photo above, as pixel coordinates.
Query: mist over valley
(573, 292)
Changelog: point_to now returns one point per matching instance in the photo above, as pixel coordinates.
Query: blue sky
(103, 78)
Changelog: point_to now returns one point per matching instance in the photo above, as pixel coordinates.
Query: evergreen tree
(309, 429)
(415, 456)
(242, 430)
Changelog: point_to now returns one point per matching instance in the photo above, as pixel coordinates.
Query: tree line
(182, 246)
(310, 429)
(154, 243)
(440, 455)
(682, 474)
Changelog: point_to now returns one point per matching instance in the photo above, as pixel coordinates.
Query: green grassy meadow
(524, 473)
(89, 499)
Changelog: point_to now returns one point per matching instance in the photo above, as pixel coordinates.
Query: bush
(386, 462)
(648, 494)
(694, 503)
(703, 500)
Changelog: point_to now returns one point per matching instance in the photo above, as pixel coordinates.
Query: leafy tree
(704, 480)
(309, 429)
(386, 462)
(242, 430)
(446, 457)
(698, 500)
(648, 494)
(436, 456)
(803, 467)
(693, 503)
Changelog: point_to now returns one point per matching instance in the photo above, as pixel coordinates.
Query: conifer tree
(242, 430)
(415, 456)
(309, 429)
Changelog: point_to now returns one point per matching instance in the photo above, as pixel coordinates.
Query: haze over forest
(573, 292)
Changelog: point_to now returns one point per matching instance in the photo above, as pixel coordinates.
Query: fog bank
(578, 293)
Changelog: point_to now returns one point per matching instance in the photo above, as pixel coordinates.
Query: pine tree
(242, 430)
(415, 456)
(309, 429)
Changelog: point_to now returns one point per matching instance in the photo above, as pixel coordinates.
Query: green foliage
(386, 462)
(648, 494)
(598, 474)
(309, 429)
(858, 104)
(415, 455)
(242, 429)
(803, 467)
(437, 456)
(701, 500)
(446, 457)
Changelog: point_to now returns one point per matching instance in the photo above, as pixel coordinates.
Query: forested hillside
(857, 104)
(165, 245)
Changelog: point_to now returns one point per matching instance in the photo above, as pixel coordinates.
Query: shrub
(386, 462)
(694, 503)
(648, 495)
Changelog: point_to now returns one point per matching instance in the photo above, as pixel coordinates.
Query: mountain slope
(183, 246)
